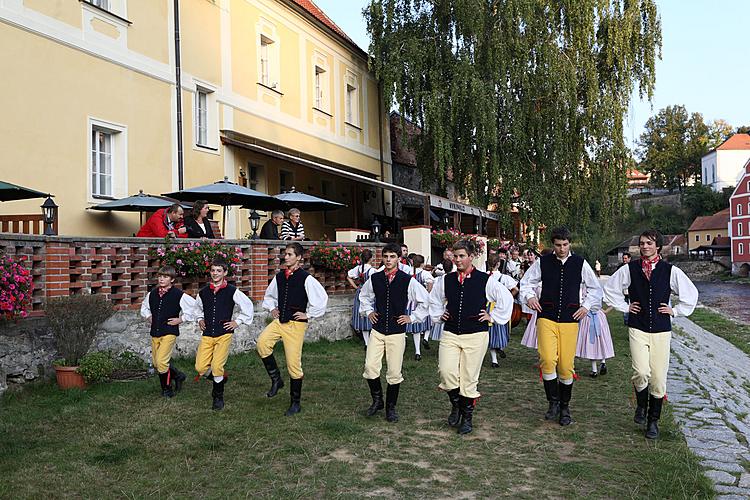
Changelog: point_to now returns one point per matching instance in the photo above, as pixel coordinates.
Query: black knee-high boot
(166, 387)
(641, 399)
(551, 389)
(391, 398)
(273, 371)
(178, 377)
(654, 413)
(455, 415)
(218, 394)
(295, 391)
(376, 391)
(566, 390)
(467, 413)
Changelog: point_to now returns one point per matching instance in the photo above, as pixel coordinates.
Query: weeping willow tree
(522, 100)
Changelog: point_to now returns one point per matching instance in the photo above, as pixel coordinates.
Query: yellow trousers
(460, 361)
(161, 352)
(292, 334)
(393, 347)
(213, 353)
(557, 347)
(650, 356)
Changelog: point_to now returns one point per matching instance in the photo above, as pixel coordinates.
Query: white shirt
(494, 291)
(533, 278)
(504, 279)
(317, 298)
(679, 283)
(417, 295)
(356, 272)
(187, 304)
(245, 317)
(423, 277)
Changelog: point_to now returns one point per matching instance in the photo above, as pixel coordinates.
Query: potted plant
(74, 321)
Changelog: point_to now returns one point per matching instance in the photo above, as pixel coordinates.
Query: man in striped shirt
(293, 229)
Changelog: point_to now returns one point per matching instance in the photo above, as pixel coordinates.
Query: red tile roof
(737, 141)
(719, 220)
(321, 16)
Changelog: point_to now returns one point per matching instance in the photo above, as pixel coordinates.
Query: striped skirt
(359, 323)
(437, 331)
(601, 347)
(499, 336)
(418, 327)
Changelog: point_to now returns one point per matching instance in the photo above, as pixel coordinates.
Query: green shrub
(74, 321)
(128, 360)
(96, 366)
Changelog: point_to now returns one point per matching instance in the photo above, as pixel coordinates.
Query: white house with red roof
(739, 224)
(721, 167)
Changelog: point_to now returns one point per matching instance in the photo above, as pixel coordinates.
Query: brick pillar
(57, 264)
(259, 262)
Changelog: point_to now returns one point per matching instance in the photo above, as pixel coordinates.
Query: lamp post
(254, 222)
(446, 220)
(49, 212)
(376, 231)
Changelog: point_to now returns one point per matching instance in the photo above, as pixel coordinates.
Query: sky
(705, 63)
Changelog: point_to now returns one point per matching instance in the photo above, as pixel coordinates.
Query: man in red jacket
(165, 222)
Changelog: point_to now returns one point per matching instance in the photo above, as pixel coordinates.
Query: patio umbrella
(11, 192)
(140, 202)
(227, 194)
(307, 202)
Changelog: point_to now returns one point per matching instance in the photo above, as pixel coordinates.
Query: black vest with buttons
(391, 301)
(217, 309)
(650, 294)
(465, 302)
(561, 287)
(292, 294)
(162, 309)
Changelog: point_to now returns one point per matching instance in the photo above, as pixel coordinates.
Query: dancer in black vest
(162, 307)
(384, 299)
(293, 297)
(459, 300)
(650, 281)
(215, 306)
(559, 308)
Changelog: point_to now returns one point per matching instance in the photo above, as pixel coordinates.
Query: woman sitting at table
(197, 222)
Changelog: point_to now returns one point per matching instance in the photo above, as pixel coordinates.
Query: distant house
(674, 244)
(704, 229)
(630, 245)
(722, 167)
(637, 179)
(739, 206)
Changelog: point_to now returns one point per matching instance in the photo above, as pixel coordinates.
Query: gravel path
(709, 390)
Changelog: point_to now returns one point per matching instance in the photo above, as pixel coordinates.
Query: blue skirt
(418, 327)
(437, 331)
(359, 323)
(499, 336)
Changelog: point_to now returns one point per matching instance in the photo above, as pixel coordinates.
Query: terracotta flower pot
(68, 378)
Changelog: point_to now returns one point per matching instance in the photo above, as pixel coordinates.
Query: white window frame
(269, 55)
(351, 99)
(739, 208)
(741, 249)
(205, 118)
(708, 237)
(118, 159)
(739, 228)
(319, 95)
(321, 84)
(697, 237)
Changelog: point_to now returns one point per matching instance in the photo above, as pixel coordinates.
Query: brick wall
(123, 270)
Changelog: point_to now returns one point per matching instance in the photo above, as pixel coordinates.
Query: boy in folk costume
(162, 307)
(293, 297)
(214, 309)
(361, 274)
(459, 300)
(649, 282)
(559, 309)
(384, 299)
(422, 327)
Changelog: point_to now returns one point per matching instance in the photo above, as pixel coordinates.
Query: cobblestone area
(709, 390)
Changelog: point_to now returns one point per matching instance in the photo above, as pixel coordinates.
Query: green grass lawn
(123, 440)
(732, 331)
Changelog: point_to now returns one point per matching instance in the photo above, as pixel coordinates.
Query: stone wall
(700, 269)
(27, 348)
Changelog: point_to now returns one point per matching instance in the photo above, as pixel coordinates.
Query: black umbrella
(140, 202)
(228, 194)
(11, 192)
(307, 202)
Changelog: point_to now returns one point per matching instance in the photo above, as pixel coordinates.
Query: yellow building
(273, 95)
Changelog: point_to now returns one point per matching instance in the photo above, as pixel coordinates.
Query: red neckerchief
(163, 291)
(464, 275)
(215, 288)
(288, 272)
(648, 265)
(391, 275)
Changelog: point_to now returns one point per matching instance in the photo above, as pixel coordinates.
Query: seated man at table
(270, 230)
(165, 222)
